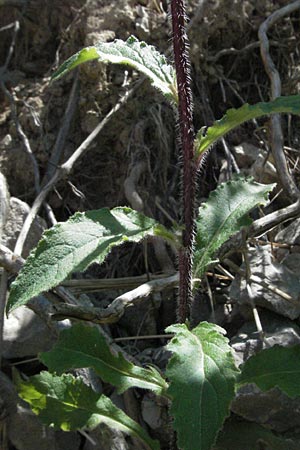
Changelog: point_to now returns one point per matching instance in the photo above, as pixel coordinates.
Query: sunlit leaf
(73, 245)
(202, 376)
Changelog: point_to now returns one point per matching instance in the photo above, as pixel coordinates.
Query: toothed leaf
(73, 245)
(235, 117)
(67, 403)
(82, 346)
(139, 55)
(202, 377)
(224, 214)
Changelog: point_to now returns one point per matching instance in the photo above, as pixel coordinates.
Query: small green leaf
(82, 346)
(202, 375)
(84, 55)
(139, 55)
(235, 117)
(73, 245)
(224, 214)
(66, 403)
(274, 367)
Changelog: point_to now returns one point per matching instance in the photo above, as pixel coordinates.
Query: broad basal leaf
(224, 214)
(83, 346)
(202, 376)
(235, 117)
(139, 55)
(274, 367)
(67, 403)
(73, 245)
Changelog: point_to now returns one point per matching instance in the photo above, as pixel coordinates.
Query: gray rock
(289, 235)
(17, 214)
(277, 331)
(155, 414)
(292, 262)
(263, 171)
(67, 440)
(272, 409)
(26, 432)
(25, 334)
(104, 438)
(152, 412)
(275, 275)
(246, 154)
(142, 22)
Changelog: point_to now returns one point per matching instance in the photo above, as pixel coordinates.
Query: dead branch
(63, 132)
(22, 136)
(130, 188)
(259, 227)
(9, 261)
(257, 280)
(117, 308)
(285, 177)
(63, 171)
(72, 309)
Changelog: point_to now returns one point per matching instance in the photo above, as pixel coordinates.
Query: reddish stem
(187, 135)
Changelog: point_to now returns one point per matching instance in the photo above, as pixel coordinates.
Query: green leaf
(274, 367)
(66, 402)
(139, 55)
(235, 117)
(202, 375)
(84, 346)
(224, 214)
(241, 435)
(73, 245)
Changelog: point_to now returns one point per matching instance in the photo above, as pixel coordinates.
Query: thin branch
(259, 227)
(12, 46)
(130, 185)
(63, 132)
(235, 51)
(7, 27)
(20, 132)
(249, 280)
(9, 261)
(276, 132)
(143, 338)
(63, 171)
(22, 136)
(116, 309)
(266, 285)
(97, 285)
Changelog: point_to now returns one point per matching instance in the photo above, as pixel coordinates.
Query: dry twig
(63, 171)
(63, 132)
(72, 308)
(259, 227)
(117, 308)
(276, 132)
(256, 280)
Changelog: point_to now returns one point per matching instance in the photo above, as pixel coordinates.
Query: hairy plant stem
(186, 138)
